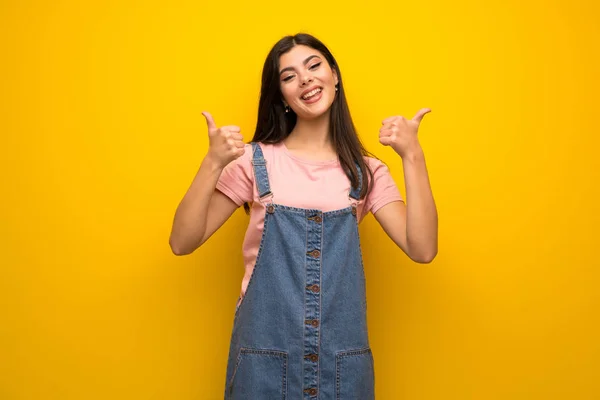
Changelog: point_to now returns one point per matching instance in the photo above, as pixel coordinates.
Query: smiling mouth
(312, 94)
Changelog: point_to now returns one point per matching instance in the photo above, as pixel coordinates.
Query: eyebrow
(303, 62)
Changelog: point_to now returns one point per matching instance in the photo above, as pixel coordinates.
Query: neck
(311, 135)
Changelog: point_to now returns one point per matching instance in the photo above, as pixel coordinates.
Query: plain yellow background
(102, 132)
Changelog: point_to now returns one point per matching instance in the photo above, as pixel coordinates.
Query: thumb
(209, 121)
(419, 116)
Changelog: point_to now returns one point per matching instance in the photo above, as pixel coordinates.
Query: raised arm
(414, 226)
(193, 224)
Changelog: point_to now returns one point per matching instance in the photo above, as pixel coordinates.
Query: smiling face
(307, 81)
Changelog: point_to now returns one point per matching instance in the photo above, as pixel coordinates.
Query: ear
(335, 76)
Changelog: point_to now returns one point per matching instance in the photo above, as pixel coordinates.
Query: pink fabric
(300, 183)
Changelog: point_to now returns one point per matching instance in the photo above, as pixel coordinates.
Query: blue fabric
(300, 332)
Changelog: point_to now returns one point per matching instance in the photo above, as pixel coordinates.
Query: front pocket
(354, 375)
(259, 374)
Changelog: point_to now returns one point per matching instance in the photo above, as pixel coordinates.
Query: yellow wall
(102, 134)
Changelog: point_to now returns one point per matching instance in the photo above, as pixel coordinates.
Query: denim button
(315, 253)
(311, 391)
(316, 218)
(270, 209)
(313, 322)
(314, 288)
(353, 210)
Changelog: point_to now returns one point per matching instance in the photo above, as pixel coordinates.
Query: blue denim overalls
(300, 332)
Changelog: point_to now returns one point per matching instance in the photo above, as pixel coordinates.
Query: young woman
(300, 325)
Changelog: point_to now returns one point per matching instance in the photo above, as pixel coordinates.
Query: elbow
(422, 252)
(179, 252)
(425, 257)
(179, 249)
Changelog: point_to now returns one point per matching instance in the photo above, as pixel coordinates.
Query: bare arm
(193, 224)
(414, 226)
(204, 209)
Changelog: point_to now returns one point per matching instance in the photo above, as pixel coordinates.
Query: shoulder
(376, 165)
(249, 148)
(243, 161)
(382, 177)
(383, 188)
(265, 146)
(269, 150)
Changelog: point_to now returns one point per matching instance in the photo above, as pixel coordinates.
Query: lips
(310, 90)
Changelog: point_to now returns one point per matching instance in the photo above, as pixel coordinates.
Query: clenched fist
(400, 133)
(225, 143)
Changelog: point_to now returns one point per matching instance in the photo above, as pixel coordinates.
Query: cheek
(326, 77)
(286, 93)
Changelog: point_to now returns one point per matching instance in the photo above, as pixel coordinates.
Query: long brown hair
(274, 124)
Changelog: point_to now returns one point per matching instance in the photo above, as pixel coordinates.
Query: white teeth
(311, 93)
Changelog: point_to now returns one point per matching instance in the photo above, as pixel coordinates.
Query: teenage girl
(300, 324)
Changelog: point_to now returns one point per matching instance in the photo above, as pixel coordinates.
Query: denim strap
(262, 178)
(260, 171)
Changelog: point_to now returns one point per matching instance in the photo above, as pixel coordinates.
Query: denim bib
(300, 331)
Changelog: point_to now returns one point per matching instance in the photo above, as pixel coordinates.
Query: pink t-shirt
(300, 183)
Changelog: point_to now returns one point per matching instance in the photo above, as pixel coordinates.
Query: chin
(316, 113)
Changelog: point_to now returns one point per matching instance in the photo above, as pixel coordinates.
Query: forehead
(297, 55)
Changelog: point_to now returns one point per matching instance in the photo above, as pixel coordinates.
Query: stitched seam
(339, 357)
(337, 378)
(256, 262)
(285, 372)
(263, 352)
(237, 364)
(362, 266)
(319, 330)
(304, 327)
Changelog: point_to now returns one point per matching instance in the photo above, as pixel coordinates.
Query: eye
(287, 78)
(315, 65)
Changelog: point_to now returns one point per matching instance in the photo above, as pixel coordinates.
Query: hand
(225, 143)
(401, 133)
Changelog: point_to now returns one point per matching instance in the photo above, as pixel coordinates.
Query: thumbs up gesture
(225, 143)
(401, 133)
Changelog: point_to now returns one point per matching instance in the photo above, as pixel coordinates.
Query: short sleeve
(383, 189)
(237, 178)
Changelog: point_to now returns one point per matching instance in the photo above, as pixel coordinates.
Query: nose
(306, 79)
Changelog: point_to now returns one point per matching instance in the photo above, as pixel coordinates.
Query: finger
(237, 136)
(420, 114)
(386, 141)
(385, 132)
(209, 120)
(240, 144)
(390, 119)
(389, 129)
(241, 151)
(231, 128)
